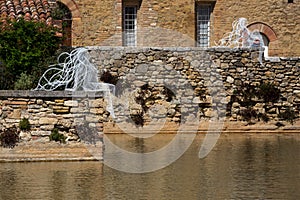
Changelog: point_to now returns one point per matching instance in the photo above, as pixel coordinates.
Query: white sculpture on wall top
(76, 73)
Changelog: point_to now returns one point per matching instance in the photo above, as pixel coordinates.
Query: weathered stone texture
(157, 84)
(195, 76)
(46, 113)
(173, 23)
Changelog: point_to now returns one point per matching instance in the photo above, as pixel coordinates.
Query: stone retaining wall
(217, 77)
(48, 110)
(164, 84)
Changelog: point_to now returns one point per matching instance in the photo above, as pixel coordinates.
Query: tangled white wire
(241, 36)
(74, 74)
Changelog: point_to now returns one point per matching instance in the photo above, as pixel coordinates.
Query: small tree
(25, 45)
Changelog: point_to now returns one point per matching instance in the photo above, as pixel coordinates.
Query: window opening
(129, 25)
(203, 24)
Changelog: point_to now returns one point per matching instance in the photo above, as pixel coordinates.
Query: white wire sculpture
(74, 74)
(241, 36)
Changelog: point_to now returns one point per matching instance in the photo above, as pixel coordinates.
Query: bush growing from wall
(24, 82)
(107, 77)
(56, 136)
(24, 124)
(9, 137)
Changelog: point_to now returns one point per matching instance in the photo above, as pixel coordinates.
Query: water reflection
(239, 167)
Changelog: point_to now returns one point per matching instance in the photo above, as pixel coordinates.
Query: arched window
(267, 33)
(265, 40)
(62, 16)
(265, 29)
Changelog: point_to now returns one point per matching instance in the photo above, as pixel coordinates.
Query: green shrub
(265, 91)
(168, 93)
(56, 136)
(24, 47)
(6, 78)
(25, 82)
(24, 124)
(9, 137)
(244, 93)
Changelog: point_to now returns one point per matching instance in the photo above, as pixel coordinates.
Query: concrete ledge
(37, 151)
(228, 127)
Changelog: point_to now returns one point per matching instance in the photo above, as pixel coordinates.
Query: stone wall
(250, 87)
(171, 84)
(45, 111)
(172, 23)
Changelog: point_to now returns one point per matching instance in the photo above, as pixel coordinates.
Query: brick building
(181, 22)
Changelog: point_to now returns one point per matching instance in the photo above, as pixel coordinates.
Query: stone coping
(144, 49)
(49, 94)
(187, 49)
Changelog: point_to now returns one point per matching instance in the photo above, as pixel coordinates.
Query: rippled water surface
(239, 167)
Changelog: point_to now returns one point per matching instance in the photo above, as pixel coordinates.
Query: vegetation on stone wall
(146, 96)
(249, 96)
(288, 115)
(25, 49)
(24, 124)
(56, 136)
(268, 92)
(9, 137)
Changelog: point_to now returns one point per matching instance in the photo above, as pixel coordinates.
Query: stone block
(39, 101)
(96, 103)
(47, 120)
(71, 103)
(61, 111)
(47, 127)
(40, 133)
(92, 118)
(34, 122)
(59, 101)
(66, 123)
(15, 114)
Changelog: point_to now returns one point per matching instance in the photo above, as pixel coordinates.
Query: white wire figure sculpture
(74, 74)
(241, 36)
